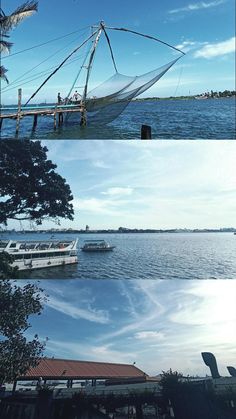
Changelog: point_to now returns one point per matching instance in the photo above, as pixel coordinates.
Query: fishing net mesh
(107, 101)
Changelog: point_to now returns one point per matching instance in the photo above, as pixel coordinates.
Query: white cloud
(98, 206)
(149, 335)
(100, 164)
(81, 350)
(197, 6)
(187, 46)
(118, 191)
(217, 49)
(105, 352)
(172, 319)
(90, 314)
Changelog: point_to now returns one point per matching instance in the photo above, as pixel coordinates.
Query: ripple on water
(169, 119)
(147, 256)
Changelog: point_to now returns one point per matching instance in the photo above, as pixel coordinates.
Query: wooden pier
(57, 112)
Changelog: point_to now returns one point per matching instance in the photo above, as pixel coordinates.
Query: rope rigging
(44, 43)
(62, 63)
(109, 44)
(38, 65)
(38, 75)
(146, 36)
(115, 93)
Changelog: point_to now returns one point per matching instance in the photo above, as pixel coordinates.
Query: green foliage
(9, 22)
(170, 383)
(6, 271)
(17, 354)
(30, 188)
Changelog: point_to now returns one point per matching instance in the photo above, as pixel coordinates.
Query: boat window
(18, 257)
(73, 253)
(13, 245)
(27, 256)
(23, 246)
(46, 255)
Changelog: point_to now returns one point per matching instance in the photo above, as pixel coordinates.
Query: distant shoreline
(154, 99)
(196, 97)
(121, 231)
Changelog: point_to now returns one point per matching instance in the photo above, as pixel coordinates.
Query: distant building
(87, 228)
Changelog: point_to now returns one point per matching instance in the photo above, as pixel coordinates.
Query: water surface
(169, 119)
(148, 256)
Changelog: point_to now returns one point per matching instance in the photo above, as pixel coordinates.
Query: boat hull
(30, 255)
(42, 264)
(107, 249)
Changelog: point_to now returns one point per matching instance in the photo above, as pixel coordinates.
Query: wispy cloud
(157, 324)
(84, 351)
(217, 49)
(163, 184)
(149, 335)
(100, 206)
(189, 45)
(197, 6)
(76, 312)
(118, 191)
(101, 164)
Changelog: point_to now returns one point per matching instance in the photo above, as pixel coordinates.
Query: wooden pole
(35, 121)
(19, 111)
(55, 120)
(60, 121)
(83, 120)
(146, 132)
(14, 386)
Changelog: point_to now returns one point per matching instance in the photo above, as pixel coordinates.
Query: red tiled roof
(51, 368)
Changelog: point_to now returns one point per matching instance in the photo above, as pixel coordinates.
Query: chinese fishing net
(107, 101)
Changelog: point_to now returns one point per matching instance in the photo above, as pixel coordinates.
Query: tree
(30, 188)
(170, 387)
(170, 382)
(17, 354)
(9, 22)
(6, 270)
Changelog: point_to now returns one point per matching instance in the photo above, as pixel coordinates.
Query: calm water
(162, 256)
(173, 119)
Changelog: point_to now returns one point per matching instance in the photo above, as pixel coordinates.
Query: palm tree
(9, 22)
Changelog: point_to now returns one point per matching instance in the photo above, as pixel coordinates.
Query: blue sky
(145, 184)
(157, 324)
(203, 29)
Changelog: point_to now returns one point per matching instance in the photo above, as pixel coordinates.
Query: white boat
(96, 246)
(40, 253)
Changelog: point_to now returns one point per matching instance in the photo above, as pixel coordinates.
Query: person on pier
(76, 97)
(59, 99)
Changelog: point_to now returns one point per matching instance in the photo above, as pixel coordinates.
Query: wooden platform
(57, 111)
(41, 112)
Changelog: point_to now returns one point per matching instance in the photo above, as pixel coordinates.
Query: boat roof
(94, 241)
(39, 241)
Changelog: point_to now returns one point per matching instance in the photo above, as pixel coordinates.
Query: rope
(98, 33)
(38, 75)
(112, 56)
(62, 63)
(44, 43)
(38, 65)
(146, 36)
(180, 75)
(78, 74)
